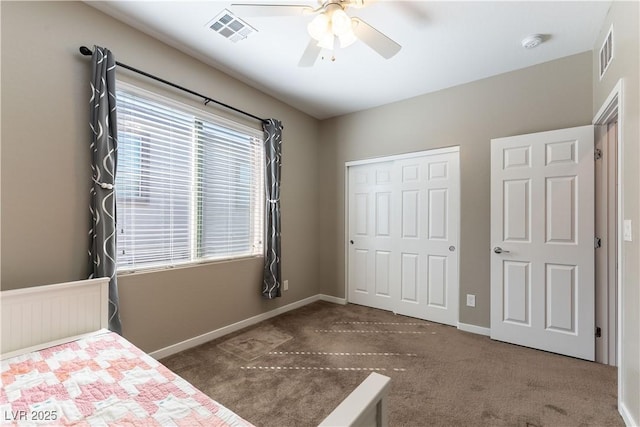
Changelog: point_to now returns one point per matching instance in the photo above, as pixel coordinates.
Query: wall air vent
(230, 26)
(606, 52)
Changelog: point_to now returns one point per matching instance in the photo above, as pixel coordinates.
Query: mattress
(102, 380)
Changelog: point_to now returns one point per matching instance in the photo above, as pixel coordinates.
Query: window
(189, 185)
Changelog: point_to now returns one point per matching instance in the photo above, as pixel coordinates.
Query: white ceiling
(444, 44)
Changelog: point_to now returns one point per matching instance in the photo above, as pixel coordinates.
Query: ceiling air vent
(230, 26)
(606, 52)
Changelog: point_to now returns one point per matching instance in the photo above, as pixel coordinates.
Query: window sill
(126, 273)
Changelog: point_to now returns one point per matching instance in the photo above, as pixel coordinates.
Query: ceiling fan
(330, 24)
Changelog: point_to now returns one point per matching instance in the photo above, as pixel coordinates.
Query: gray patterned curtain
(272, 151)
(104, 145)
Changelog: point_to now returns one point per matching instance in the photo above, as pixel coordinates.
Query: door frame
(394, 157)
(610, 108)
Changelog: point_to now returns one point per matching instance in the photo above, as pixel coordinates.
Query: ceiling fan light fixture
(318, 28)
(340, 22)
(347, 39)
(327, 41)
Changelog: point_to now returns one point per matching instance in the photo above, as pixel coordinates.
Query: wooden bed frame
(43, 316)
(366, 406)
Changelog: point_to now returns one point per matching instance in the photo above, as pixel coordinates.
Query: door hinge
(597, 154)
(597, 243)
(598, 332)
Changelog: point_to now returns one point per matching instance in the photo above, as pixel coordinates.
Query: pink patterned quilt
(103, 380)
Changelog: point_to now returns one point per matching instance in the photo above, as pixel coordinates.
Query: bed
(61, 366)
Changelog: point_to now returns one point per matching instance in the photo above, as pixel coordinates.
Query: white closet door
(428, 238)
(370, 223)
(403, 222)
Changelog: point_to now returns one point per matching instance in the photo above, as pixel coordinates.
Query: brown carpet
(439, 375)
(255, 342)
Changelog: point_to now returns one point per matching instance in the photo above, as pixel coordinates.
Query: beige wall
(550, 96)
(45, 174)
(625, 65)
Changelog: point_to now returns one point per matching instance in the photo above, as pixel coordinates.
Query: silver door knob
(499, 250)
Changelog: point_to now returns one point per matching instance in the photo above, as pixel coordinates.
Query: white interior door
(403, 222)
(542, 241)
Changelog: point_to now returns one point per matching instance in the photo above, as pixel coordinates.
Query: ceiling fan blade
(272, 9)
(375, 39)
(310, 54)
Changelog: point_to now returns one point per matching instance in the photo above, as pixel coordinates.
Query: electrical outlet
(285, 285)
(471, 300)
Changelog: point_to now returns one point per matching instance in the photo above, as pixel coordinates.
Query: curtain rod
(88, 52)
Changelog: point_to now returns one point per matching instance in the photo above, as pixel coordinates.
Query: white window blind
(189, 185)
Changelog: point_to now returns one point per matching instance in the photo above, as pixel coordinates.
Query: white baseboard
(626, 415)
(335, 300)
(474, 329)
(201, 339)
